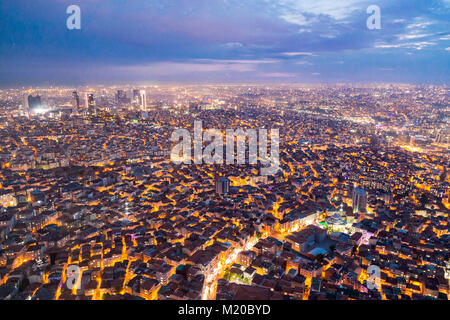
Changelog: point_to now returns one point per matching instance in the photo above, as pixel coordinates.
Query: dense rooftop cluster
(363, 181)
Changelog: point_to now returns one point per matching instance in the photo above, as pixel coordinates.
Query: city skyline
(225, 150)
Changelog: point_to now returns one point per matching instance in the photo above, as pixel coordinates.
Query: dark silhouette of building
(222, 185)
(90, 104)
(77, 99)
(136, 96)
(34, 102)
(121, 97)
(359, 200)
(194, 107)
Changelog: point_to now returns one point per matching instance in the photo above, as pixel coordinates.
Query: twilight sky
(270, 41)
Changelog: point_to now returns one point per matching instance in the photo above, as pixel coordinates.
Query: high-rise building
(222, 185)
(142, 100)
(194, 107)
(442, 137)
(90, 103)
(25, 102)
(34, 102)
(77, 99)
(136, 96)
(121, 96)
(359, 200)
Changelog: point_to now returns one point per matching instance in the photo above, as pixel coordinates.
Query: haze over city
(224, 150)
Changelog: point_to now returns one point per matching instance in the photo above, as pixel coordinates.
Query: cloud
(409, 45)
(294, 54)
(303, 62)
(297, 18)
(223, 61)
(420, 25)
(233, 45)
(278, 75)
(194, 66)
(209, 38)
(336, 9)
(421, 32)
(412, 36)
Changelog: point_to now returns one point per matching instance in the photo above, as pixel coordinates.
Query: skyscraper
(143, 100)
(121, 97)
(359, 200)
(442, 137)
(33, 105)
(25, 106)
(34, 102)
(77, 99)
(222, 185)
(90, 103)
(136, 96)
(194, 107)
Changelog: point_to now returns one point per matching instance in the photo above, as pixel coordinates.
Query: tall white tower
(143, 100)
